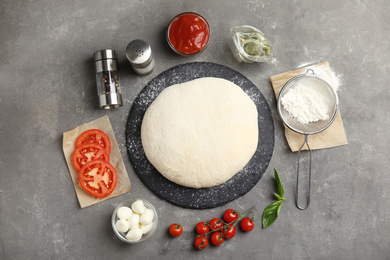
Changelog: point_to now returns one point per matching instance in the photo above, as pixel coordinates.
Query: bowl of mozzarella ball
(134, 220)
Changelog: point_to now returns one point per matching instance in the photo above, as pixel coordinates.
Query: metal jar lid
(139, 53)
(105, 60)
(109, 101)
(105, 54)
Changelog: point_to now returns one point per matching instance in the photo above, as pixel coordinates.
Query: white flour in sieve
(306, 104)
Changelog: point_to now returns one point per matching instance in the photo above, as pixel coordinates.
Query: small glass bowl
(128, 203)
(173, 47)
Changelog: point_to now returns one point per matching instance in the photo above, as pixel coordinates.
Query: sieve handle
(297, 184)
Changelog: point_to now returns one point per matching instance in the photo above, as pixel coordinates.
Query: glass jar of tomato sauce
(188, 34)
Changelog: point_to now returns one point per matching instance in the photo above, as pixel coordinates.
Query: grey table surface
(48, 87)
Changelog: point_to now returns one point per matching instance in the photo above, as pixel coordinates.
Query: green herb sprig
(271, 212)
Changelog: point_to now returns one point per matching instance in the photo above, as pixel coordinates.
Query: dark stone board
(202, 198)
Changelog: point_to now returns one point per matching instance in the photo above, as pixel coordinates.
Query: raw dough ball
(200, 133)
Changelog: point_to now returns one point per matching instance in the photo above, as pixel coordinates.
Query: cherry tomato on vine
(229, 231)
(215, 224)
(201, 242)
(230, 215)
(202, 228)
(247, 224)
(216, 238)
(175, 230)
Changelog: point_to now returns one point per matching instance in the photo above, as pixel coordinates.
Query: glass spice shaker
(107, 79)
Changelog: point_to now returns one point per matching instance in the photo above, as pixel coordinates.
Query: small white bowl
(128, 203)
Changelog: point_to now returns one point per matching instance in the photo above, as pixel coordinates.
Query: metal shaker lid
(105, 60)
(105, 54)
(139, 53)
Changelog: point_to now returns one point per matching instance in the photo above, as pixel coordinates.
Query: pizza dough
(200, 133)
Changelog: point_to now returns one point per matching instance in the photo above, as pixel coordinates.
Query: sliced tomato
(98, 178)
(85, 153)
(94, 136)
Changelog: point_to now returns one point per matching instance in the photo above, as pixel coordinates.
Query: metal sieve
(309, 79)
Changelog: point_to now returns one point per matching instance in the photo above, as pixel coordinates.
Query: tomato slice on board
(85, 153)
(98, 178)
(94, 136)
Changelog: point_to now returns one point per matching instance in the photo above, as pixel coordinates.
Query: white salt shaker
(139, 53)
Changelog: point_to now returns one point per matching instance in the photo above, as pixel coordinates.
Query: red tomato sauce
(189, 33)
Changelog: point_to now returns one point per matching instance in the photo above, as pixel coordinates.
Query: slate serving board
(203, 198)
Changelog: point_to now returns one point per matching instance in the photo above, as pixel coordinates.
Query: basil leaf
(271, 212)
(278, 197)
(278, 183)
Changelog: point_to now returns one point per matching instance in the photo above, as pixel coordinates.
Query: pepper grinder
(139, 53)
(107, 79)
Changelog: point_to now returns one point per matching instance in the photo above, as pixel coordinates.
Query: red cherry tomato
(201, 242)
(216, 238)
(230, 215)
(202, 228)
(229, 231)
(188, 33)
(85, 153)
(98, 178)
(215, 224)
(94, 136)
(247, 224)
(175, 230)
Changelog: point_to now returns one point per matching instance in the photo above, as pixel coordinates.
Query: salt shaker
(107, 79)
(139, 53)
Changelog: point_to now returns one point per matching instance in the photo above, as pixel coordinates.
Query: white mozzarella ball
(124, 213)
(133, 221)
(138, 206)
(134, 234)
(122, 225)
(147, 217)
(146, 228)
